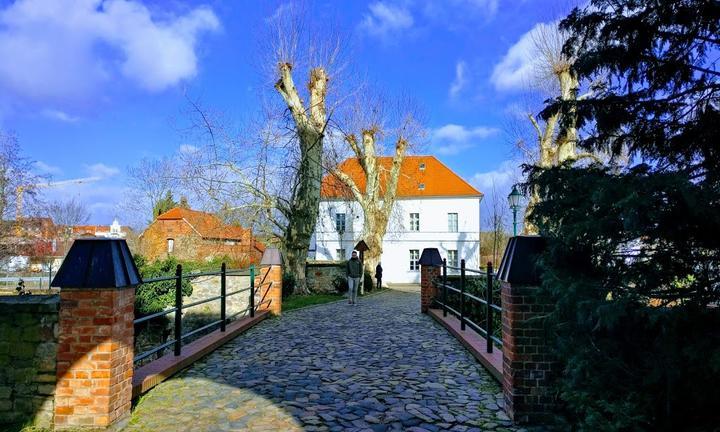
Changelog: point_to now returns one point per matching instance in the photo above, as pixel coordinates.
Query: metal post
(444, 281)
(489, 300)
(252, 291)
(178, 309)
(462, 295)
(514, 221)
(222, 297)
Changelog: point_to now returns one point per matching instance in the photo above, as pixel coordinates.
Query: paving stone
(381, 366)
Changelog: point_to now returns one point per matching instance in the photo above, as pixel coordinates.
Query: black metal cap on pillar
(98, 263)
(430, 257)
(519, 261)
(271, 256)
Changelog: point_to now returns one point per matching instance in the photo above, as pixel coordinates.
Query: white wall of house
(435, 230)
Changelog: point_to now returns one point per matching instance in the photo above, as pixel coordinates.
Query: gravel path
(378, 366)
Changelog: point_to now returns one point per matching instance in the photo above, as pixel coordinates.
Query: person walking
(378, 275)
(354, 272)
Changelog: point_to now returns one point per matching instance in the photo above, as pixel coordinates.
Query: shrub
(156, 296)
(340, 284)
(368, 282)
(288, 284)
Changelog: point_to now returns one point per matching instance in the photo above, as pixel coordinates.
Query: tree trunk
(302, 216)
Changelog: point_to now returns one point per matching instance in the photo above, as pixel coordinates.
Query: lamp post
(514, 200)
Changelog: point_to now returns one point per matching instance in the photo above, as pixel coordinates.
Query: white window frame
(340, 254)
(414, 221)
(170, 245)
(451, 227)
(414, 258)
(453, 260)
(340, 221)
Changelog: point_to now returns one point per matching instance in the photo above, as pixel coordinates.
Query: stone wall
(209, 286)
(320, 274)
(28, 351)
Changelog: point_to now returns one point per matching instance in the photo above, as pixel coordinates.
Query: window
(340, 254)
(414, 257)
(452, 258)
(171, 245)
(452, 222)
(340, 222)
(421, 186)
(414, 221)
(422, 166)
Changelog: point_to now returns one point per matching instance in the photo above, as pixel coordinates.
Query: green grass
(300, 301)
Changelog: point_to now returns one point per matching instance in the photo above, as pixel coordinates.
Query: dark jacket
(354, 268)
(378, 272)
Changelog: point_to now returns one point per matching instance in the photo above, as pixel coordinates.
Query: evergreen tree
(164, 204)
(633, 258)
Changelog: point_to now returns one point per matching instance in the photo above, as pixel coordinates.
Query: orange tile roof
(208, 225)
(435, 180)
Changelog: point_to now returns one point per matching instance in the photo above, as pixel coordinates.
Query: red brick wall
(95, 357)
(528, 365)
(267, 291)
(428, 291)
(190, 246)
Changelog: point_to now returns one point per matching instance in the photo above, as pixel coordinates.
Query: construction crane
(22, 188)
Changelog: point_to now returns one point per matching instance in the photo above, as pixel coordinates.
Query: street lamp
(514, 200)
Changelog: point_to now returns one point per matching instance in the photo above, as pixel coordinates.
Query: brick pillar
(428, 291)
(95, 357)
(430, 263)
(96, 335)
(268, 282)
(528, 365)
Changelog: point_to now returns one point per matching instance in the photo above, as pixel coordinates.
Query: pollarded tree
(376, 196)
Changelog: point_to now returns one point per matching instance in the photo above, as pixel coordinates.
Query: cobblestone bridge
(378, 366)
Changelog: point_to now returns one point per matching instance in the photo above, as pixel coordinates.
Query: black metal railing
(478, 304)
(179, 307)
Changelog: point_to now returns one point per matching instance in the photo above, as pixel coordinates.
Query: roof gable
(420, 176)
(206, 224)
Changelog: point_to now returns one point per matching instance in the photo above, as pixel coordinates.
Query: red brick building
(193, 235)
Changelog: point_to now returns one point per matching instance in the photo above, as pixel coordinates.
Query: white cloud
(452, 138)
(188, 149)
(65, 49)
(101, 170)
(503, 177)
(60, 116)
(460, 80)
(386, 19)
(454, 12)
(515, 70)
(44, 168)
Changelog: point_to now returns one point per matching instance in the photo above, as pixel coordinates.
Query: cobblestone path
(379, 366)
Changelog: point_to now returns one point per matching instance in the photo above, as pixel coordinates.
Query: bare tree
(270, 173)
(148, 182)
(65, 215)
(555, 137)
(379, 176)
(18, 192)
(496, 221)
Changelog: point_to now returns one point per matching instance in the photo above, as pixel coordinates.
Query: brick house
(192, 235)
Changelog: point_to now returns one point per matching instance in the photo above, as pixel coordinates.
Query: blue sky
(94, 85)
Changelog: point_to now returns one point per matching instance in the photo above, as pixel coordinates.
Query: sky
(89, 87)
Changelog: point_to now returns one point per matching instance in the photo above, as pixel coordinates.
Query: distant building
(115, 230)
(37, 243)
(434, 208)
(198, 236)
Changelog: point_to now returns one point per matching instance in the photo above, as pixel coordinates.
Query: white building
(435, 208)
